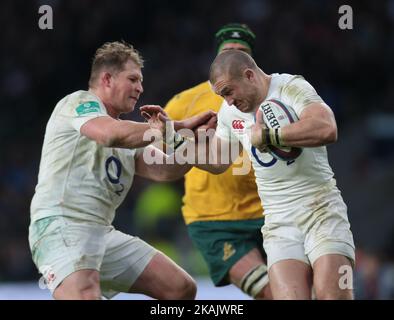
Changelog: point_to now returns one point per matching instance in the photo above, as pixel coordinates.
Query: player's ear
(106, 79)
(249, 74)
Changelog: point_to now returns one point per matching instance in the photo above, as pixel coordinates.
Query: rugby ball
(278, 115)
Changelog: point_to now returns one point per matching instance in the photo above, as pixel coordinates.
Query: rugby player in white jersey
(89, 158)
(306, 233)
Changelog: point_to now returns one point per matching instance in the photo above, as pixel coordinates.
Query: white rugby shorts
(312, 227)
(61, 246)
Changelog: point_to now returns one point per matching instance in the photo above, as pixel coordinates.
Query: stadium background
(351, 69)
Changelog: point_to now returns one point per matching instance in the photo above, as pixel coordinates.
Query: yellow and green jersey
(211, 197)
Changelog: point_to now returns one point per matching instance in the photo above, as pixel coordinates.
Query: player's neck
(111, 111)
(108, 106)
(265, 82)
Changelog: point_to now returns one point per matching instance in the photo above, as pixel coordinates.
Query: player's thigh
(164, 279)
(330, 249)
(283, 242)
(289, 271)
(329, 232)
(333, 277)
(61, 247)
(290, 279)
(82, 284)
(125, 259)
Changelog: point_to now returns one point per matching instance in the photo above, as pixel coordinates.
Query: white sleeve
(223, 129)
(298, 93)
(86, 111)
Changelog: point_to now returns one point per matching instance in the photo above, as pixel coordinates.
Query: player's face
(127, 87)
(238, 92)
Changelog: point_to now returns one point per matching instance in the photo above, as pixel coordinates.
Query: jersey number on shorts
(114, 165)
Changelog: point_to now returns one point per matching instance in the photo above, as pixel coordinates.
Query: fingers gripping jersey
(79, 178)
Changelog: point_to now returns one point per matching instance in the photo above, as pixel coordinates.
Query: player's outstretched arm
(214, 157)
(190, 123)
(113, 133)
(153, 164)
(207, 119)
(218, 155)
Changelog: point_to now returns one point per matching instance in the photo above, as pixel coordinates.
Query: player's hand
(206, 129)
(193, 123)
(258, 138)
(155, 116)
(210, 124)
(150, 110)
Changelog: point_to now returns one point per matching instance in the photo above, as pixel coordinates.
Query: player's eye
(226, 93)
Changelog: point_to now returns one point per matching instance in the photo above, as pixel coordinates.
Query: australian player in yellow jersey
(223, 213)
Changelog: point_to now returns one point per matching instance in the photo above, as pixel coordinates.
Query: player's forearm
(185, 124)
(195, 121)
(309, 132)
(170, 167)
(212, 157)
(179, 124)
(129, 134)
(152, 163)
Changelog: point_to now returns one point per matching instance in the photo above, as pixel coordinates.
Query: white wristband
(172, 138)
(170, 133)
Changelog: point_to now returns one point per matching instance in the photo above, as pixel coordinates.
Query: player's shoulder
(286, 78)
(285, 83)
(78, 97)
(81, 102)
(82, 97)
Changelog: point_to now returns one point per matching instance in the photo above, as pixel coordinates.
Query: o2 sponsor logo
(269, 163)
(113, 168)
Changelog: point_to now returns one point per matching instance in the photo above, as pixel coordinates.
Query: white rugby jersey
(78, 177)
(280, 184)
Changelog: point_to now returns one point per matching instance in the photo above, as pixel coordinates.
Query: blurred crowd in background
(351, 69)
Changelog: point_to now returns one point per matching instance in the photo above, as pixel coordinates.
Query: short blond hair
(231, 63)
(112, 56)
